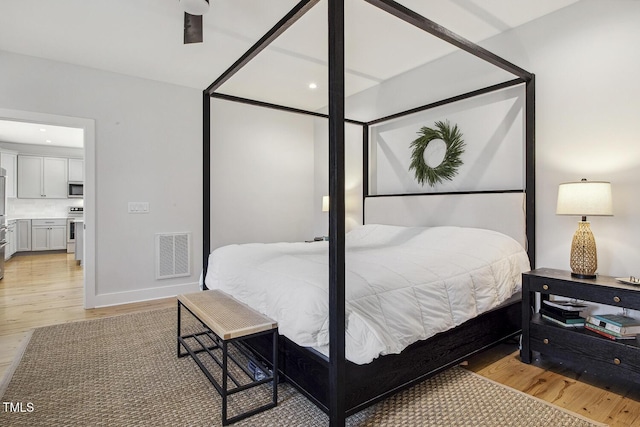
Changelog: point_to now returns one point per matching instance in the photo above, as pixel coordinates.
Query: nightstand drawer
(594, 352)
(586, 291)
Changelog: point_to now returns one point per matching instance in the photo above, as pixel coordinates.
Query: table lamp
(584, 198)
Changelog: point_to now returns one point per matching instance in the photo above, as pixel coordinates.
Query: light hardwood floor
(606, 400)
(41, 290)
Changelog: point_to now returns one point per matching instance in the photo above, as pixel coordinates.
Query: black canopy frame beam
(472, 94)
(417, 20)
(279, 107)
(287, 21)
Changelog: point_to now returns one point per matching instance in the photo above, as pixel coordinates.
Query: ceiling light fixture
(48, 140)
(312, 86)
(193, 11)
(43, 130)
(195, 7)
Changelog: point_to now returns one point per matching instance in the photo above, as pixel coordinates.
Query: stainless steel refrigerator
(3, 220)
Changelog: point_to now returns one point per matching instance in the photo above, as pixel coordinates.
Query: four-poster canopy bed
(336, 385)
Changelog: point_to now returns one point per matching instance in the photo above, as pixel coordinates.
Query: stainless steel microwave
(76, 190)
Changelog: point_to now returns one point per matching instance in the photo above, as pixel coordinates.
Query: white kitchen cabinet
(30, 177)
(48, 234)
(39, 238)
(58, 238)
(76, 170)
(23, 233)
(9, 162)
(42, 177)
(55, 178)
(11, 237)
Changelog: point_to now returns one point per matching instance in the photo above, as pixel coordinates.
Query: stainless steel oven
(74, 213)
(71, 235)
(3, 222)
(3, 244)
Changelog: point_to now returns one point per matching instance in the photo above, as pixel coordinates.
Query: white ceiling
(40, 134)
(143, 38)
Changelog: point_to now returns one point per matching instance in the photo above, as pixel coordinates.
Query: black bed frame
(336, 385)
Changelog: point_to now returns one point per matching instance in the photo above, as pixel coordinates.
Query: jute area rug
(123, 371)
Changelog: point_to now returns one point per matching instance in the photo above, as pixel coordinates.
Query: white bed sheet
(403, 284)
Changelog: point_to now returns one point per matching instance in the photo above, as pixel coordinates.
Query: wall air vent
(173, 255)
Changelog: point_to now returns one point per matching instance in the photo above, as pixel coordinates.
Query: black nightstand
(593, 352)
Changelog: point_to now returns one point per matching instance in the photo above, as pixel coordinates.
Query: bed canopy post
(206, 182)
(530, 156)
(337, 363)
(365, 166)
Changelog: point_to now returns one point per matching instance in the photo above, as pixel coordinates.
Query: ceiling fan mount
(193, 11)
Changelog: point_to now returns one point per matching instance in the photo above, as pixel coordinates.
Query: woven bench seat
(226, 322)
(226, 316)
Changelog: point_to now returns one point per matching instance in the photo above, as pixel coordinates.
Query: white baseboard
(117, 298)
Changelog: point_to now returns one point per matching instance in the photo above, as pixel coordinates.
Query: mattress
(403, 284)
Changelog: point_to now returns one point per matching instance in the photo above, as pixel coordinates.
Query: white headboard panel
(503, 212)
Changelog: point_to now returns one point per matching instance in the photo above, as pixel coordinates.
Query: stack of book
(563, 313)
(614, 326)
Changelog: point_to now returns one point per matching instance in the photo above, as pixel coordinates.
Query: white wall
(587, 110)
(492, 128)
(147, 148)
(587, 90)
(352, 181)
(261, 175)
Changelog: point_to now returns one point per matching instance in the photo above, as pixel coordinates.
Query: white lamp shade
(325, 203)
(585, 198)
(195, 7)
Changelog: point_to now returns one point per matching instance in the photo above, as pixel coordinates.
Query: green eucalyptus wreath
(448, 168)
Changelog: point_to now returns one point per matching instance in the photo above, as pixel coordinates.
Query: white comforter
(402, 284)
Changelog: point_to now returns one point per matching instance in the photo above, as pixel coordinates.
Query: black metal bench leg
(224, 383)
(274, 340)
(178, 326)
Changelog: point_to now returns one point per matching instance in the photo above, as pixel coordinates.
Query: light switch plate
(138, 207)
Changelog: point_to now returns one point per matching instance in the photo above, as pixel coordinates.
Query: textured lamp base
(584, 259)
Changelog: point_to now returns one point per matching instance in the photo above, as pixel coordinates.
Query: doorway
(88, 128)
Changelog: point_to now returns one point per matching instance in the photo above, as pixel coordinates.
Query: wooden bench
(224, 323)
